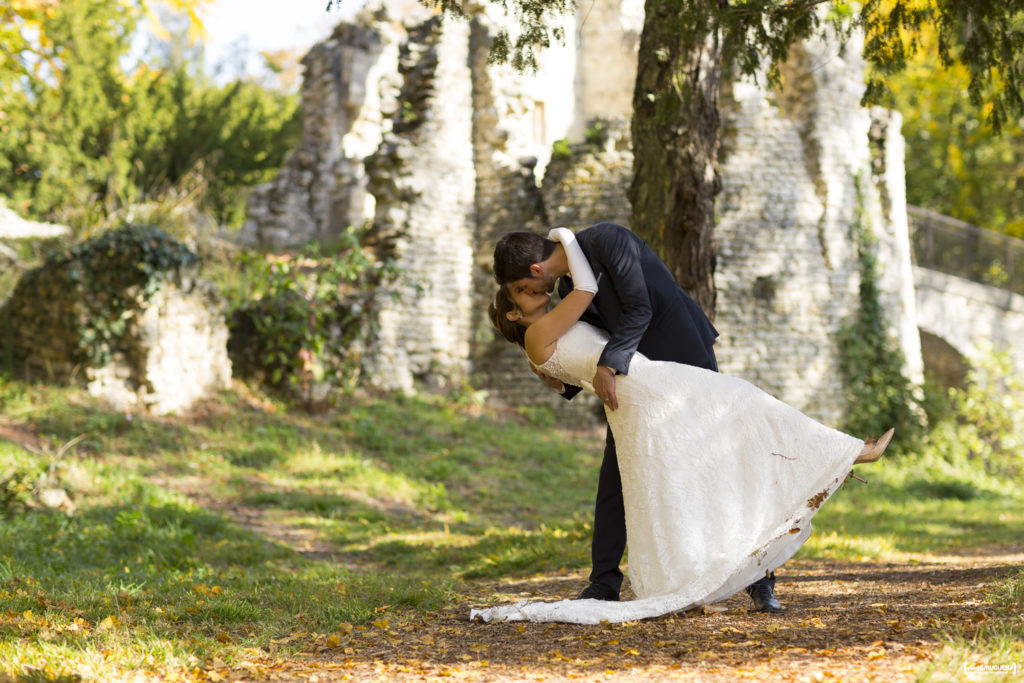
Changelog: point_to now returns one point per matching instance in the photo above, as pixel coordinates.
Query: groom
(643, 309)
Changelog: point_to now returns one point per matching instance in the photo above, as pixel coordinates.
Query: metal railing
(950, 246)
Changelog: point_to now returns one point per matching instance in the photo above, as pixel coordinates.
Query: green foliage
(16, 488)
(595, 134)
(94, 133)
(60, 138)
(959, 486)
(302, 323)
(985, 421)
(542, 416)
(985, 36)
(879, 394)
(231, 137)
(113, 274)
(6, 347)
(955, 164)
(561, 149)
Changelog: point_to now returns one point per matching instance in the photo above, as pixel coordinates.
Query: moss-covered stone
(126, 313)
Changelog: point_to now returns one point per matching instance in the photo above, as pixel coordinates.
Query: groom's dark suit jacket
(639, 303)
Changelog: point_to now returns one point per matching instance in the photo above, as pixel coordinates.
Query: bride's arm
(541, 336)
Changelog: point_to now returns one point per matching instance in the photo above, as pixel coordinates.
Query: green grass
(995, 652)
(918, 504)
(414, 494)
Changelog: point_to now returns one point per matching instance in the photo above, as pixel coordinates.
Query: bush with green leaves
(985, 420)
(306, 318)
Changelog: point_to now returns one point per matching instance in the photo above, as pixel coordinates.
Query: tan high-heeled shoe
(873, 448)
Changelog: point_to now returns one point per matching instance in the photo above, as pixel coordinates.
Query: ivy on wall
(871, 362)
(92, 290)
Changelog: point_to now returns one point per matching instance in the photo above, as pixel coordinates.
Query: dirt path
(868, 621)
(843, 622)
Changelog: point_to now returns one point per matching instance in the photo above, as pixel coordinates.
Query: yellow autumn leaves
(25, 46)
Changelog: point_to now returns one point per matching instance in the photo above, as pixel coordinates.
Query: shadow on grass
(406, 538)
(495, 553)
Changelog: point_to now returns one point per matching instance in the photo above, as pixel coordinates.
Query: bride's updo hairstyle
(515, 252)
(500, 305)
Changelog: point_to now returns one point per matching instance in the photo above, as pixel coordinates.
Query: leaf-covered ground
(843, 621)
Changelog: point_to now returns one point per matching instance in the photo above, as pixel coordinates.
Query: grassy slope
(415, 494)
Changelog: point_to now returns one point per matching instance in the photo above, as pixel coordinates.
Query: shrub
(985, 420)
(307, 318)
(101, 130)
(90, 291)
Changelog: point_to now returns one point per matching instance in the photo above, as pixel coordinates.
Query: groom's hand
(604, 386)
(552, 382)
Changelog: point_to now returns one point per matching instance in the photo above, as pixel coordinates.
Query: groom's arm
(618, 253)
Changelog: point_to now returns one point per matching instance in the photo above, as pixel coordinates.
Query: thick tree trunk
(675, 143)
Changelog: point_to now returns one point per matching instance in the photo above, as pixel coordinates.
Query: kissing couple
(713, 481)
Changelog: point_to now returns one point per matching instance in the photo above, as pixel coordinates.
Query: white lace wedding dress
(720, 481)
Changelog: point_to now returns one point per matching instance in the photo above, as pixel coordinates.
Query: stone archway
(943, 363)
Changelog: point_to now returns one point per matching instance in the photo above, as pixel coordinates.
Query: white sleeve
(579, 268)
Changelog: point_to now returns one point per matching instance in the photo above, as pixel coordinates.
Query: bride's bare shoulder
(538, 347)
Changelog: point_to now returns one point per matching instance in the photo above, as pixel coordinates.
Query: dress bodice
(574, 359)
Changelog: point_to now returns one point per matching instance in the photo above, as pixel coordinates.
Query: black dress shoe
(763, 595)
(599, 591)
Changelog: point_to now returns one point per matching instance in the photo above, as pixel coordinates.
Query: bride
(719, 479)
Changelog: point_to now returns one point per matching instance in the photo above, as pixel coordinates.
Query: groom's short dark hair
(515, 252)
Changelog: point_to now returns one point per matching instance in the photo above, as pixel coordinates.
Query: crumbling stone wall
(157, 342)
(799, 181)
(444, 149)
(349, 83)
(464, 154)
(175, 352)
(422, 177)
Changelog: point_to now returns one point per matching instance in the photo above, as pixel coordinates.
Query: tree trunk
(675, 142)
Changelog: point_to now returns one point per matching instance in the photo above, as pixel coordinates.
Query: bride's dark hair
(501, 304)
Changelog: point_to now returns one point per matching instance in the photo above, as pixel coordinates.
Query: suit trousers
(609, 540)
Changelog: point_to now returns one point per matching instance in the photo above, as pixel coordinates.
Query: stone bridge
(969, 286)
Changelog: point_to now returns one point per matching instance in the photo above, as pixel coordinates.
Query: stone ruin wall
(179, 344)
(801, 168)
(422, 177)
(442, 154)
(173, 351)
